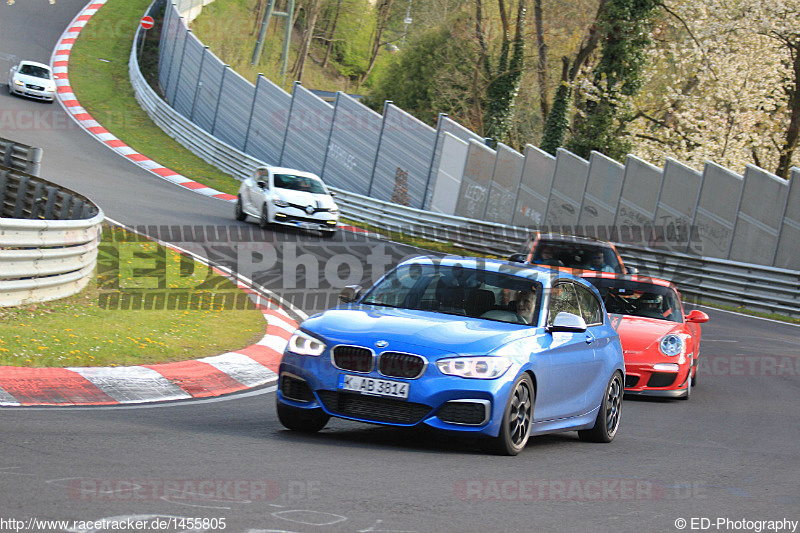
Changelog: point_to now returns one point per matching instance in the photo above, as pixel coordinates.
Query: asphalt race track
(731, 452)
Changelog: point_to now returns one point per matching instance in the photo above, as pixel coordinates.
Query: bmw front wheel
(239, 210)
(515, 427)
(607, 422)
(302, 420)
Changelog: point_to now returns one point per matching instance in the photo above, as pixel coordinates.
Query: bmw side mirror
(350, 294)
(697, 316)
(517, 258)
(567, 323)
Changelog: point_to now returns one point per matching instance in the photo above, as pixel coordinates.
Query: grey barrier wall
(759, 287)
(49, 238)
(394, 157)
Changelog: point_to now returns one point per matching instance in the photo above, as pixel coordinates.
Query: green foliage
(414, 78)
(351, 43)
(600, 123)
(557, 120)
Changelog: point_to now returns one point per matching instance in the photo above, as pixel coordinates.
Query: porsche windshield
(642, 299)
(459, 290)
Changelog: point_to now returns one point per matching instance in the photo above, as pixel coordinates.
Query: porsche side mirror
(350, 294)
(568, 323)
(697, 316)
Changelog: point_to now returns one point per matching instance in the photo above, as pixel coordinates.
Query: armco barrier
(20, 157)
(49, 237)
(758, 287)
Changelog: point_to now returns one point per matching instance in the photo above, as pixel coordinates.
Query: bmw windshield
(456, 290)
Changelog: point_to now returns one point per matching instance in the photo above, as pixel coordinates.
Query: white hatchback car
(290, 197)
(34, 80)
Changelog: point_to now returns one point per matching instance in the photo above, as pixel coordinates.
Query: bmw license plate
(376, 387)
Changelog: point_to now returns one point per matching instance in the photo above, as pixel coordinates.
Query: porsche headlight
(672, 345)
(302, 343)
(474, 367)
(280, 203)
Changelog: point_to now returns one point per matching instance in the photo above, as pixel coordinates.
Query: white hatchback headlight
(672, 345)
(302, 343)
(18, 82)
(474, 367)
(280, 203)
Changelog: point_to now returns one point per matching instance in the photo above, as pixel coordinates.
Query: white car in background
(277, 195)
(34, 80)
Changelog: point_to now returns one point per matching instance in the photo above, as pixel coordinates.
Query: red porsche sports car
(660, 344)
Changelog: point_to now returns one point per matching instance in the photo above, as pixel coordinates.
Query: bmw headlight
(671, 345)
(280, 203)
(474, 367)
(302, 343)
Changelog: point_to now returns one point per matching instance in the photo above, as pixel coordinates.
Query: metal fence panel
(352, 145)
(569, 184)
(755, 238)
(474, 193)
(637, 206)
(169, 35)
(677, 202)
(189, 75)
(268, 127)
(235, 105)
(175, 54)
(603, 189)
(505, 184)
(788, 255)
(450, 172)
(447, 125)
(534, 189)
(715, 217)
(204, 108)
(404, 158)
(308, 131)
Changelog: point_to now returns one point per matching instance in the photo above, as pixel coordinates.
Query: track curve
(730, 452)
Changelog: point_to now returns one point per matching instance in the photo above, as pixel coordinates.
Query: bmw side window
(591, 310)
(562, 299)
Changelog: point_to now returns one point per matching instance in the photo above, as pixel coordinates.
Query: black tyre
(238, 210)
(517, 418)
(302, 420)
(263, 221)
(328, 234)
(607, 422)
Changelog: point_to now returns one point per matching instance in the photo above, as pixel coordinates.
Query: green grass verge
(98, 71)
(93, 328)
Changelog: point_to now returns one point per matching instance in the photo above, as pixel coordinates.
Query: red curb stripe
(64, 52)
(60, 63)
(138, 157)
(51, 386)
(70, 103)
(83, 17)
(197, 378)
(225, 196)
(275, 331)
(83, 116)
(98, 130)
(263, 355)
(164, 172)
(115, 143)
(69, 40)
(65, 89)
(95, 6)
(194, 185)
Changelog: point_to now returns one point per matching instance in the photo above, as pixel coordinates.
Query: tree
(600, 124)
(504, 74)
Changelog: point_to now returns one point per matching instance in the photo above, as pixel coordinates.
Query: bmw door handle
(589, 338)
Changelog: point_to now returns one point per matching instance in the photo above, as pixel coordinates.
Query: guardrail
(757, 287)
(20, 156)
(49, 238)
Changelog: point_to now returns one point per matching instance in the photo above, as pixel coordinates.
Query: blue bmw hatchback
(482, 347)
